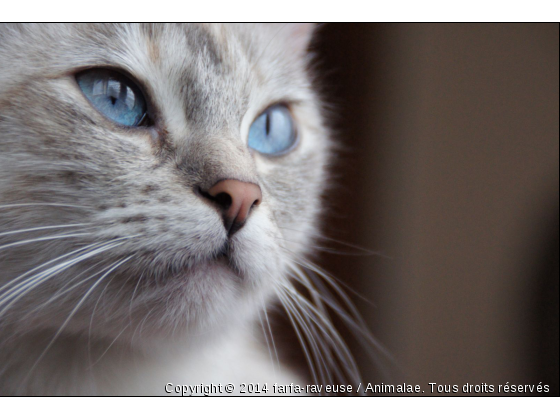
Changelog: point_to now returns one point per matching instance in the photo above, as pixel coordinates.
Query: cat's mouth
(224, 252)
(223, 259)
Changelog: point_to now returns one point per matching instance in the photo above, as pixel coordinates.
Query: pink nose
(235, 199)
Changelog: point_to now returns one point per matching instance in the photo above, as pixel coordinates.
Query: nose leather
(236, 199)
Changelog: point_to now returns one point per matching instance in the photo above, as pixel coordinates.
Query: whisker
(312, 277)
(354, 320)
(283, 299)
(69, 289)
(271, 335)
(45, 275)
(325, 249)
(109, 347)
(132, 297)
(312, 338)
(333, 283)
(61, 257)
(337, 343)
(140, 326)
(45, 238)
(43, 265)
(19, 290)
(76, 308)
(93, 315)
(7, 206)
(367, 252)
(267, 344)
(37, 279)
(314, 269)
(301, 276)
(14, 232)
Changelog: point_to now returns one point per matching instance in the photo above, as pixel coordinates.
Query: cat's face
(108, 229)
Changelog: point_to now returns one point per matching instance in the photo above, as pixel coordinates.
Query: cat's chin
(204, 298)
(211, 269)
(219, 263)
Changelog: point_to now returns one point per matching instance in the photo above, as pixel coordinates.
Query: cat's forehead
(178, 51)
(257, 51)
(213, 72)
(198, 69)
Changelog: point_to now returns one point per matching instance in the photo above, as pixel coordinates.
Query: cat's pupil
(267, 123)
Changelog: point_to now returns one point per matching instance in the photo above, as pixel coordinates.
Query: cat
(160, 189)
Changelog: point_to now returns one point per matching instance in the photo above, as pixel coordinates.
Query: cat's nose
(236, 200)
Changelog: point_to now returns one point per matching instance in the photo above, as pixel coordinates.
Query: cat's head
(153, 178)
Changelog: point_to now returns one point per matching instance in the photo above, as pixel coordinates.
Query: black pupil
(267, 123)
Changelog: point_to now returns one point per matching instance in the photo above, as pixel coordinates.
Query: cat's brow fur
(108, 273)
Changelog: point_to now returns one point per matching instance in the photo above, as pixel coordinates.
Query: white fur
(133, 297)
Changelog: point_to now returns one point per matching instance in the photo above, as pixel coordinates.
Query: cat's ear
(295, 37)
(299, 35)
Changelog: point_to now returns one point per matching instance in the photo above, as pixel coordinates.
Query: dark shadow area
(441, 170)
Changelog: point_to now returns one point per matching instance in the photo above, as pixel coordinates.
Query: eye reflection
(113, 95)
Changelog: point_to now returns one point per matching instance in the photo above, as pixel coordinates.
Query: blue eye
(113, 95)
(273, 132)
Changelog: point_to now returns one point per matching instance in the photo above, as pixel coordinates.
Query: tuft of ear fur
(299, 35)
(296, 36)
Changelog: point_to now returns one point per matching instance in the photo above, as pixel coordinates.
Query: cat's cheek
(156, 138)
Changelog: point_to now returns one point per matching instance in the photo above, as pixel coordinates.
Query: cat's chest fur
(234, 359)
(159, 185)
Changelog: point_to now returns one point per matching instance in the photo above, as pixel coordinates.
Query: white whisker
(7, 206)
(109, 346)
(288, 309)
(132, 297)
(44, 265)
(267, 344)
(92, 316)
(271, 335)
(61, 257)
(365, 252)
(327, 343)
(140, 326)
(76, 308)
(45, 238)
(352, 319)
(337, 343)
(69, 289)
(312, 338)
(14, 232)
(39, 278)
(14, 294)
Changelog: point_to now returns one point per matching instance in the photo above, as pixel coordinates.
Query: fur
(110, 275)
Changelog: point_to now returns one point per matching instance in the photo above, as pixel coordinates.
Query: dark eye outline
(147, 120)
(296, 134)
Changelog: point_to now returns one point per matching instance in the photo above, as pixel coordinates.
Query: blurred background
(450, 170)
